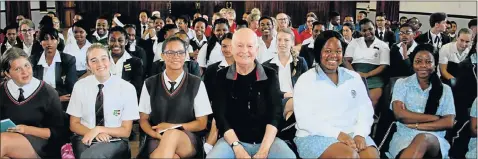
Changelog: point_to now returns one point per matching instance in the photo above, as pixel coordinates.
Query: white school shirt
(285, 76)
(202, 106)
(449, 52)
(80, 54)
(377, 54)
(27, 49)
(215, 56)
(117, 68)
(410, 50)
(119, 97)
(28, 89)
(325, 109)
(49, 73)
(265, 53)
(437, 44)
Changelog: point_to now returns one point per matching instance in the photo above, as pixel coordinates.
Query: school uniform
(37, 104)
(437, 40)
(191, 33)
(119, 104)
(266, 53)
(35, 48)
(177, 103)
(97, 39)
(197, 44)
(307, 52)
(138, 52)
(80, 56)
(408, 91)
(214, 56)
(398, 65)
(472, 144)
(60, 74)
(130, 69)
(6, 45)
(141, 28)
(366, 59)
(343, 107)
(210, 76)
(450, 56)
(386, 36)
(189, 66)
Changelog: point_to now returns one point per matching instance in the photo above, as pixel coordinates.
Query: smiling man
(101, 33)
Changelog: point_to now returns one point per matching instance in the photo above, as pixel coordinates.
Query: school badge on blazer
(353, 93)
(116, 112)
(127, 67)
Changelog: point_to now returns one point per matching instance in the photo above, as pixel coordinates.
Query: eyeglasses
(406, 33)
(27, 30)
(282, 19)
(171, 53)
(380, 20)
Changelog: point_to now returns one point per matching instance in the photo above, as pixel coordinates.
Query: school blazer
(65, 72)
(133, 73)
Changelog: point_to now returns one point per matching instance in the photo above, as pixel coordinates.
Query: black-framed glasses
(27, 30)
(171, 53)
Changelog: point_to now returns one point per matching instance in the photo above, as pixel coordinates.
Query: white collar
(195, 39)
(308, 40)
(409, 50)
(455, 49)
(9, 45)
(379, 30)
(178, 80)
(29, 87)
(43, 62)
(223, 63)
(98, 36)
(111, 79)
(434, 35)
(123, 58)
(276, 60)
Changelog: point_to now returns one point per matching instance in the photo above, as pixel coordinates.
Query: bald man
(251, 94)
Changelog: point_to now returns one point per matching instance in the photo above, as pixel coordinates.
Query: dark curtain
(344, 8)
(390, 8)
(14, 8)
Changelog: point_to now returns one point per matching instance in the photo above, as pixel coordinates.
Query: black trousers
(116, 149)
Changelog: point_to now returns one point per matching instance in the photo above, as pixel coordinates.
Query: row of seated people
(248, 123)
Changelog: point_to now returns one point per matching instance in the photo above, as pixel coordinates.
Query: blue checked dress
(409, 92)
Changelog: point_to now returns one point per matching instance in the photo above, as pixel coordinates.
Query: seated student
(102, 109)
(173, 97)
(472, 144)
(210, 74)
(400, 63)
(452, 54)
(322, 130)
(289, 66)
(424, 109)
(349, 33)
(101, 32)
(78, 49)
(268, 40)
(247, 105)
(307, 49)
(369, 57)
(211, 52)
(30, 44)
(55, 67)
(241, 24)
(200, 25)
(33, 106)
(190, 66)
(132, 46)
(166, 32)
(123, 65)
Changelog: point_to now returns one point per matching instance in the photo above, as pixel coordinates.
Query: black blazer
(299, 69)
(427, 38)
(147, 45)
(210, 78)
(65, 72)
(308, 55)
(133, 73)
(36, 47)
(3, 48)
(388, 36)
(191, 67)
(195, 45)
(139, 53)
(398, 67)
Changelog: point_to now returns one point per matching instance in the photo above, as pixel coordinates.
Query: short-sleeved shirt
(377, 54)
(119, 97)
(449, 53)
(214, 56)
(409, 92)
(80, 54)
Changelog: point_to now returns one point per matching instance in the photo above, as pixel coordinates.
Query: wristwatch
(235, 143)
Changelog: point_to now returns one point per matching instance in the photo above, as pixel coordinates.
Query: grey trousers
(116, 149)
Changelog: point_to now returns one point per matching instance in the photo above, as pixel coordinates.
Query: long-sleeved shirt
(326, 109)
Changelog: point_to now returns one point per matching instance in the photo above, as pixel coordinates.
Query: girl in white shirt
(333, 111)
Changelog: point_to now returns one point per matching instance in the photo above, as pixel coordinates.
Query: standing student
(338, 123)
(247, 105)
(171, 98)
(102, 109)
(33, 106)
(78, 49)
(436, 35)
(55, 67)
(400, 62)
(211, 52)
(424, 109)
(368, 56)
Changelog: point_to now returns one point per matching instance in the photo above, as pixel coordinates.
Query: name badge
(127, 67)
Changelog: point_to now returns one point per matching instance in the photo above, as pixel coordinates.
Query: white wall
(35, 13)
(3, 16)
(455, 8)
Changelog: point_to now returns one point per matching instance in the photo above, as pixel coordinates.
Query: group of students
(247, 96)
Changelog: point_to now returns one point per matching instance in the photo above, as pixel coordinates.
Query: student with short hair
(102, 108)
